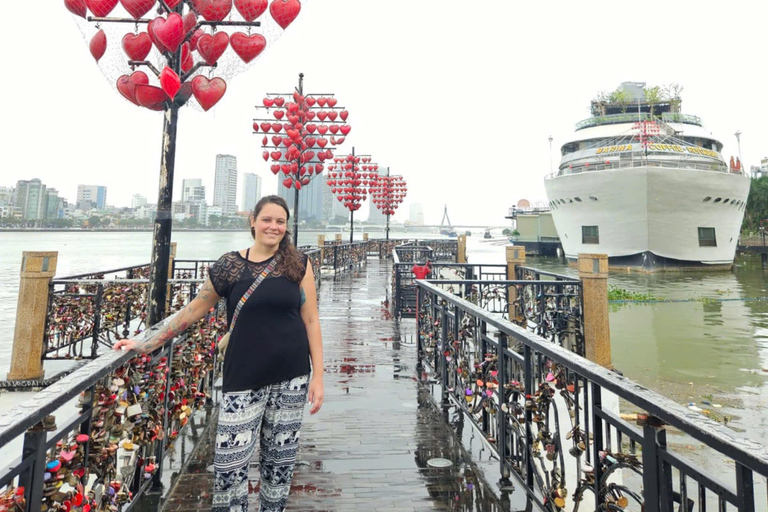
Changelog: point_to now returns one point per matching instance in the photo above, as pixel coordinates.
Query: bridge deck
(369, 446)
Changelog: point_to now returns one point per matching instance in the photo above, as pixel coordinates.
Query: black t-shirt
(269, 343)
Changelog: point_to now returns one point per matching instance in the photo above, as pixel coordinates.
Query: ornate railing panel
(553, 420)
(128, 411)
(337, 257)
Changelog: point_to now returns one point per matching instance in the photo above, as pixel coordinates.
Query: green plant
(515, 233)
(616, 293)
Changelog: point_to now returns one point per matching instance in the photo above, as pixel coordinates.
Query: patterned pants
(273, 415)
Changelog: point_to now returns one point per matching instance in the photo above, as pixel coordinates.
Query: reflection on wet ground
(370, 446)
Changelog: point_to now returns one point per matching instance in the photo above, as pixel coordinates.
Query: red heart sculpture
(251, 9)
(332, 115)
(278, 114)
(208, 92)
(276, 140)
(186, 58)
(279, 101)
(311, 101)
(265, 154)
(311, 128)
(101, 8)
(248, 47)
(151, 32)
(214, 10)
(212, 47)
(265, 127)
(277, 127)
(169, 31)
(150, 97)
(76, 7)
(343, 115)
(195, 38)
(332, 102)
(138, 8)
(345, 129)
(268, 102)
(98, 45)
(137, 46)
(322, 129)
(276, 155)
(322, 101)
(322, 142)
(334, 128)
(126, 85)
(189, 21)
(287, 182)
(170, 82)
(275, 168)
(172, 3)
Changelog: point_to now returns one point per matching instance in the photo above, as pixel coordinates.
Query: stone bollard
(365, 237)
(338, 238)
(593, 273)
(515, 257)
(37, 270)
(321, 244)
(461, 257)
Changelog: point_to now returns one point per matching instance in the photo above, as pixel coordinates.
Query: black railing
(553, 420)
(338, 257)
(129, 409)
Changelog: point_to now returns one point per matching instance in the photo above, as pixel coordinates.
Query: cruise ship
(648, 186)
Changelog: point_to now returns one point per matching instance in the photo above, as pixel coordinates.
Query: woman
(266, 366)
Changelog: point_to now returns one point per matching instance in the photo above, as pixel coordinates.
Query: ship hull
(649, 217)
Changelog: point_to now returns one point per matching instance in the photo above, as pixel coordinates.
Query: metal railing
(553, 420)
(615, 163)
(629, 117)
(129, 411)
(406, 255)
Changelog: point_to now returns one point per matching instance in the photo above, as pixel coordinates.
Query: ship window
(708, 198)
(725, 201)
(570, 200)
(592, 198)
(707, 237)
(718, 199)
(578, 199)
(590, 235)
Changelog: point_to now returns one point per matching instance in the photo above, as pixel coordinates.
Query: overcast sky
(458, 97)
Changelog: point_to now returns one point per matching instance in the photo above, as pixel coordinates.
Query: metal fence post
(32, 478)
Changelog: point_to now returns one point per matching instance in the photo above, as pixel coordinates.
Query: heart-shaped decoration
(265, 155)
(278, 114)
(265, 127)
(277, 127)
(334, 128)
(186, 58)
(137, 46)
(322, 142)
(345, 129)
(251, 9)
(310, 115)
(275, 168)
(322, 129)
(150, 97)
(170, 82)
(76, 7)
(98, 45)
(101, 8)
(208, 92)
(322, 115)
(311, 101)
(189, 21)
(332, 115)
(212, 47)
(268, 102)
(169, 31)
(248, 47)
(276, 155)
(304, 181)
(214, 10)
(332, 102)
(138, 8)
(279, 101)
(343, 115)
(287, 182)
(276, 140)
(311, 128)
(172, 3)
(151, 32)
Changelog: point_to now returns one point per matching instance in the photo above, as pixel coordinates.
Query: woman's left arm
(312, 321)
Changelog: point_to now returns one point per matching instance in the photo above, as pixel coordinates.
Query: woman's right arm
(192, 312)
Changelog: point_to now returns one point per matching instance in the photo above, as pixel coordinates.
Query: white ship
(648, 186)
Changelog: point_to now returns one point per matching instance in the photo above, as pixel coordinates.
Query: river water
(709, 347)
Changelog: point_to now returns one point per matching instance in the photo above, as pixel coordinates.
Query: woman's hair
(290, 265)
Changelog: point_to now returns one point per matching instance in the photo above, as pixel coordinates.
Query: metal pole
(388, 199)
(387, 227)
(161, 244)
(296, 195)
(351, 211)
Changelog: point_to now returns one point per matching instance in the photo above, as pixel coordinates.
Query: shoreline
(150, 230)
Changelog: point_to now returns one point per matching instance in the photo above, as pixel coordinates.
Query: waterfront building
(416, 214)
(213, 211)
(30, 199)
(146, 211)
(225, 184)
(90, 197)
(251, 191)
(138, 201)
(192, 190)
(6, 196)
(53, 205)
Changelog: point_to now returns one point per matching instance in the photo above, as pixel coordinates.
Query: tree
(757, 205)
(214, 221)
(94, 221)
(672, 93)
(621, 97)
(652, 96)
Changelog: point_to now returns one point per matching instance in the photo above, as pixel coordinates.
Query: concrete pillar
(338, 237)
(37, 270)
(593, 272)
(462, 255)
(515, 258)
(365, 237)
(321, 245)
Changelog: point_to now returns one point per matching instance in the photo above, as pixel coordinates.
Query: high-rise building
(416, 214)
(225, 184)
(310, 199)
(30, 199)
(251, 191)
(374, 214)
(138, 201)
(6, 196)
(90, 197)
(52, 205)
(192, 190)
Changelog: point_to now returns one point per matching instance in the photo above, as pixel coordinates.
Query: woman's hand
(316, 394)
(138, 346)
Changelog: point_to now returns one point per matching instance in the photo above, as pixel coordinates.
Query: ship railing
(629, 117)
(625, 164)
(566, 428)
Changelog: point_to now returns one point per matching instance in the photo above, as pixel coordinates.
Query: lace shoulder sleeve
(224, 273)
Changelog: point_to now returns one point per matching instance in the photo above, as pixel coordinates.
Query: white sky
(458, 97)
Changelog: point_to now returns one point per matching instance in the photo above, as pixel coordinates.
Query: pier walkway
(370, 446)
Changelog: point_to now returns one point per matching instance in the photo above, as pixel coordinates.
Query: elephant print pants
(271, 416)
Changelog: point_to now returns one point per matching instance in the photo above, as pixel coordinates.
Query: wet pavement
(370, 446)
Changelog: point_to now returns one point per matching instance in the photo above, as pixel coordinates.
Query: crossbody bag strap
(264, 273)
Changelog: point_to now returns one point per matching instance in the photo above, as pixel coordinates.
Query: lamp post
(304, 131)
(174, 35)
(387, 192)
